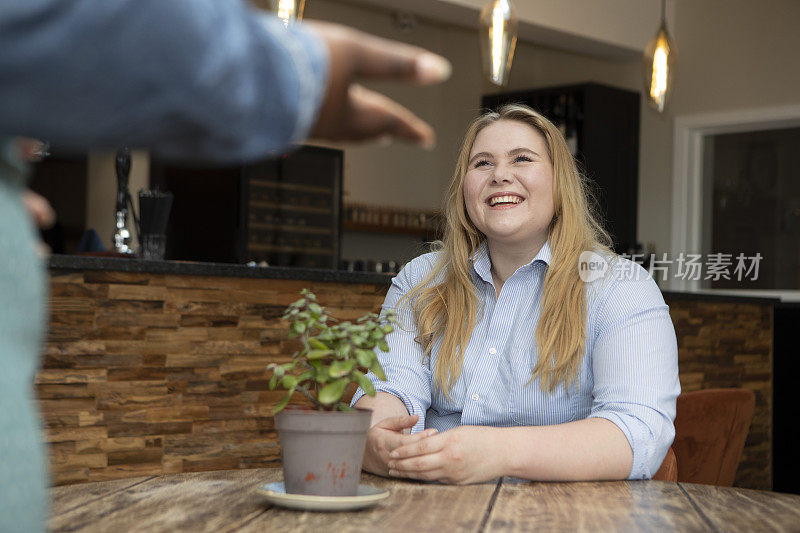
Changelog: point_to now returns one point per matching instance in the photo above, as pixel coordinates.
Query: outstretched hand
(351, 112)
(466, 454)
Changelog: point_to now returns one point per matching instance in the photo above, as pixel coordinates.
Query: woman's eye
(481, 163)
(522, 158)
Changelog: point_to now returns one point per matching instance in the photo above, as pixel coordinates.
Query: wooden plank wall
(726, 344)
(150, 374)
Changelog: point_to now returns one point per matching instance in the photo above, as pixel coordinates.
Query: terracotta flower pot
(322, 451)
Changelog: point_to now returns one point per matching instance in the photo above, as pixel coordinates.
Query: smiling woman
(508, 362)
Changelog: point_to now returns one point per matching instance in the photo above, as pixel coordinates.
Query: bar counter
(154, 368)
(191, 268)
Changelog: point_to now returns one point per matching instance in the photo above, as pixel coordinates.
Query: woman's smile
(504, 200)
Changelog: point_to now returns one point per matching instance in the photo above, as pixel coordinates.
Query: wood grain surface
(745, 510)
(148, 374)
(411, 506)
(225, 501)
(729, 344)
(595, 506)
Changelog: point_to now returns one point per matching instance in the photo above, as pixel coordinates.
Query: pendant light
(288, 11)
(659, 66)
(498, 36)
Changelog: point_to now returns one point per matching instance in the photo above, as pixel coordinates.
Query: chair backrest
(669, 468)
(711, 427)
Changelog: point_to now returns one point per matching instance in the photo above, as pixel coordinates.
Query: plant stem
(309, 396)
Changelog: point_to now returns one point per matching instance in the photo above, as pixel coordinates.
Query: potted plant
(322, 449)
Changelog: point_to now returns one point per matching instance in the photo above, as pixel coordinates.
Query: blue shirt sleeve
(635, 367)
(215, 79)
(407, 376)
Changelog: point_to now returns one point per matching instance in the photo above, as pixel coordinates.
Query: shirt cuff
(641, 452)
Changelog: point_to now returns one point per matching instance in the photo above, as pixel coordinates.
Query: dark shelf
(391, 230)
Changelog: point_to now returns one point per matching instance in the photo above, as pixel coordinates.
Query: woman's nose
(502, 174)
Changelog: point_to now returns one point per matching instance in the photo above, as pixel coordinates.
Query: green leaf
(273, 382)
(341, 368)
(365, 358)
(383, 345)
(365, 384)
(315, 308)
(344, 351)
(319, 345)
(332, 392)
(289, 382)
(377, 369)
(281, 404)
(387, 328)
(321, 374)
(298, 327)
(318, 354)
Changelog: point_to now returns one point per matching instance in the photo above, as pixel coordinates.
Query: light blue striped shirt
(629, 372)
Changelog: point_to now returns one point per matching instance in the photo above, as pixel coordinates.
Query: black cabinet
(785, 408)
(284, 211)
(601, 125)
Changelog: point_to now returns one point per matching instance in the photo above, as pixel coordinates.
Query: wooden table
(225, 501)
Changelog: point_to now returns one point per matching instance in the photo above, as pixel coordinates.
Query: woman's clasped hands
(462, 455)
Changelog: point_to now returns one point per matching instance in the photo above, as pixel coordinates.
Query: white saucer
(367, 495)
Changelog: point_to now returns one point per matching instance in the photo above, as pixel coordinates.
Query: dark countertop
(189, 268)
(711, 297)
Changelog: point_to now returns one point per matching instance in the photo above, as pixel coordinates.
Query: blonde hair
(448, 310)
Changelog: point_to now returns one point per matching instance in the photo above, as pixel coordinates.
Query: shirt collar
(482, 263)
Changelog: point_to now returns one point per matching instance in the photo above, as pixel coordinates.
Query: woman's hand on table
(386, 436)
(466, 454)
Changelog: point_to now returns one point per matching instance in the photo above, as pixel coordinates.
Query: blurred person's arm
(203, 78)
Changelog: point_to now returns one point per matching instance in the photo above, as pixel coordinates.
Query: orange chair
(669, 468)
(711, 427)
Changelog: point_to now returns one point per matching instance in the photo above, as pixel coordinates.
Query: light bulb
(288, 11)
(659, 69)
(498, 38)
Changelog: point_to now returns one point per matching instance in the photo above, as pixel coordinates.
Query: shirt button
(475, 397)
(492, 350)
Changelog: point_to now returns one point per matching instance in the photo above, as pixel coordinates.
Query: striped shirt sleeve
(407, 376)
(635, 366)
